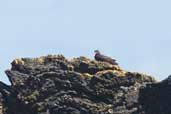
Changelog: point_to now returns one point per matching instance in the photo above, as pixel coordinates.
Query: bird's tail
(114, 62)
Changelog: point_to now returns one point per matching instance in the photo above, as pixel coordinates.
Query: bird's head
(96, 51)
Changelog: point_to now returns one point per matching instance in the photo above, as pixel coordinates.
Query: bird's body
(99, 57)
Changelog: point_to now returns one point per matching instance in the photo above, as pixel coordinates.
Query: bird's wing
(114, 59)
(106, 57)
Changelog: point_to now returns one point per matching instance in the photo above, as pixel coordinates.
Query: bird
(100, 57)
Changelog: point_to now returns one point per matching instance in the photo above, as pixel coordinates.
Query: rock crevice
(55, 85)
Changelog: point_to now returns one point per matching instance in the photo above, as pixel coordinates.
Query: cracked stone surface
(54, 84)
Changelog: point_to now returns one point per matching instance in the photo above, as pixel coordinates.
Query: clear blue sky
(135, 32)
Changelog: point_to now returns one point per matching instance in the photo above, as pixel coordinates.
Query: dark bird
(99, 57)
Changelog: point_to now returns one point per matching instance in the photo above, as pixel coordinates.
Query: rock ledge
(55, 85)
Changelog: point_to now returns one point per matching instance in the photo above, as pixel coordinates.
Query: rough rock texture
(56, 85)
(156, 98)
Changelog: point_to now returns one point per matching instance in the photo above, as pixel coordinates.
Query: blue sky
(135, 32)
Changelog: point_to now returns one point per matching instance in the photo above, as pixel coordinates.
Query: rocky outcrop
(156, 98)
(55, 85)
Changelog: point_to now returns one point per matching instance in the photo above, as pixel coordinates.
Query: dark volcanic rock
(156, 98)
(56, 85)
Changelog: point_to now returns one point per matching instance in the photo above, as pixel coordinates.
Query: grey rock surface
(55, 85)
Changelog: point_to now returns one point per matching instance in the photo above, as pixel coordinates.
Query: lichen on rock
(54, 84)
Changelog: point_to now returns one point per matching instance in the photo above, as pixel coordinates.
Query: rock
(55, 85)
(5, 91)
(167, 81)
(2, 107)
(155, 98)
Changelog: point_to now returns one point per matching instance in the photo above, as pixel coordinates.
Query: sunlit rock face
(55, 85)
